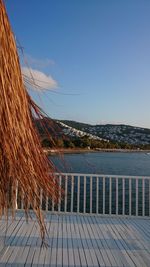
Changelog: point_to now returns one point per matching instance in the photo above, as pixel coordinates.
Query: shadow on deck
(76, 240)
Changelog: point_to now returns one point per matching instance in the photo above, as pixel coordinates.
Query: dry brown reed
(22, 160)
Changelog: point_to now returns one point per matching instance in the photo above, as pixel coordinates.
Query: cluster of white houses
(121, 133)
(118, 133)
(68, 130)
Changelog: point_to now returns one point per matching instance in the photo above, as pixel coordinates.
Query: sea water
(109, 163)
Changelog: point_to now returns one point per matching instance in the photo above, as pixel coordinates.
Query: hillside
(115, 133)
(64, 133)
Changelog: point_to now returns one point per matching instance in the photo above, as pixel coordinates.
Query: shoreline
(79, 151)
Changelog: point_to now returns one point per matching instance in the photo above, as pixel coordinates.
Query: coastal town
(109, 132)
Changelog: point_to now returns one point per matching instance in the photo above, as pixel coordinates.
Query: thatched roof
(22, 160)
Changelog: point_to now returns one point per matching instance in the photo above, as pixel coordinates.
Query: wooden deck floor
(76, 241)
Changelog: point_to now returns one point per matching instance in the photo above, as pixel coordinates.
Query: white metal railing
(101, 194)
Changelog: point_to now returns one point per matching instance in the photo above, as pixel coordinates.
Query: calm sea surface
(113, 163)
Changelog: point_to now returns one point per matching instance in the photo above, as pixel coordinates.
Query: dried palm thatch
(22, 160)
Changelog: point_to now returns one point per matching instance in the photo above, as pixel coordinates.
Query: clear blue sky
(98, 52)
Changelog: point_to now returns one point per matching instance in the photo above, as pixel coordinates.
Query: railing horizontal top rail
(104, 175)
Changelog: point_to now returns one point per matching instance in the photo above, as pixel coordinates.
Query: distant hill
(116, 133)
(73, 133)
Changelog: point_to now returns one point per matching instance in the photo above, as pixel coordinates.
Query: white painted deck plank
(141, 229)
(128, 248)
(53, 260)
(135, 252)
(65, 251)
(142, 252)
(122, 253)
(102, 234)
(88, 232)
(23, 258)
(49, 249)
(108, 246)
(71, 259)
(10, 238)
(76, 240)
(60, 251)
(84, 256)
(29, 259)
(33, 256)
(95, 242)
(125, 255)
(21, 255)
(121, 256)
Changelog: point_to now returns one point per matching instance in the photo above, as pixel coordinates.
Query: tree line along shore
(85, 144)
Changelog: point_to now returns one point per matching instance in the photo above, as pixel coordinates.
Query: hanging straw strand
(22, 161)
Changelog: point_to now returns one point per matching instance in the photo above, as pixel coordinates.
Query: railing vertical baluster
(66, 191)
(149, 198)
(16, 200)
(59, 200)
(84, 201)
(97, 194)
(91, 188)
(46, 204)
(110, 194)
(143, 197)
(21, 204)
(123, 196)
(52, 204)
(103, 195)
(41, 197)
(52, 197)
(116, 195)
(72, 192)
(137, 197)
(78, 194)
(22, 197)
(130, 200)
